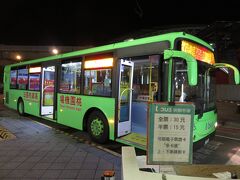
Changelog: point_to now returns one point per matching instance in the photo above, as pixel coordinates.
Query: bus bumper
(198, 144)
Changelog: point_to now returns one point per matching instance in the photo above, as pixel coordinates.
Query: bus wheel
(97, 127)
(20, 107)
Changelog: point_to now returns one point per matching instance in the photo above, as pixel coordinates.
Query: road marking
(237, 139)
(5, 134)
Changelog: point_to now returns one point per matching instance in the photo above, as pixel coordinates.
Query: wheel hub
(97, 127)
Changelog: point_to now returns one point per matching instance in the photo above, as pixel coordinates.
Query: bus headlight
(216, 124)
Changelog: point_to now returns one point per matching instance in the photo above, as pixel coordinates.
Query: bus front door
(47, 91)
(125, 97)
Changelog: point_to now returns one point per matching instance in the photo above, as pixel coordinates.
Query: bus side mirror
(191, 64)
(235, 70)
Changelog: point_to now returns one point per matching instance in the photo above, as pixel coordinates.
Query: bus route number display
(170, 133)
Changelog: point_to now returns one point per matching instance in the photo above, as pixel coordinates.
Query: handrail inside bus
(119, 103)
(235, 70)
(191, 64)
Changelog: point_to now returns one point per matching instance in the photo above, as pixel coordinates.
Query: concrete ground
(40, 152)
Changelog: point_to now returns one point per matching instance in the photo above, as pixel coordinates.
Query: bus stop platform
(39, 152)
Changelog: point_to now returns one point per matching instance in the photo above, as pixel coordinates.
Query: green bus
(105, 90)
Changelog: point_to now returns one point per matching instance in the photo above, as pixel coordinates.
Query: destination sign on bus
(199, 52)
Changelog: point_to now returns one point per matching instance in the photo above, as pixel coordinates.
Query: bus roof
(164, 37)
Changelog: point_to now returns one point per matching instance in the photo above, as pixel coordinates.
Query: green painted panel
(72, 108)
(204, 126)
(13, 98)
(31, 100)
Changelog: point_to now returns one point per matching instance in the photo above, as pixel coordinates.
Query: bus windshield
(202, 95)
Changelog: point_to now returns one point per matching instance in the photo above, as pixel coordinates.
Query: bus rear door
(47, 91)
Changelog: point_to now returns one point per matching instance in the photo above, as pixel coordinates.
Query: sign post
(170, 133)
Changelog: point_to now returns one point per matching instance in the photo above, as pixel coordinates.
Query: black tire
(97, 127)
(20, 107)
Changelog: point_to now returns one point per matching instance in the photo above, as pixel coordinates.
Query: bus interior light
(34, 69)
(99, 63)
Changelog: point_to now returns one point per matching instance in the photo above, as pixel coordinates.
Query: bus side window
(13, 79)
(70, 77)
(98, 82)
(34, 78)
(22, 78)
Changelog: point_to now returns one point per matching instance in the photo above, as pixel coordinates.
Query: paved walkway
(39, 152)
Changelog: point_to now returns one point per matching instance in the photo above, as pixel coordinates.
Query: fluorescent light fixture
(34, 69)
(99, 63)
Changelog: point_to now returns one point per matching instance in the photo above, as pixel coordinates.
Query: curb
(79, 139)
(82, 140)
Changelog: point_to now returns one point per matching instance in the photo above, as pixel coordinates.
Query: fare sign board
(170, 133)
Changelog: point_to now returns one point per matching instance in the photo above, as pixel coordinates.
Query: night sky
(77, 22)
